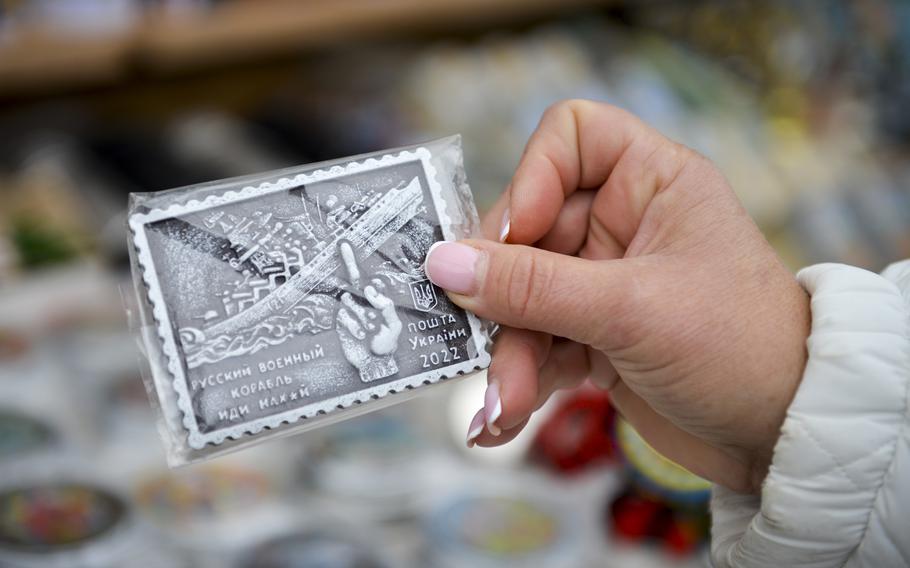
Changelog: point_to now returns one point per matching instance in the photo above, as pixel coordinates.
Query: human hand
(648, 277)
(368, 334)
(369, 344)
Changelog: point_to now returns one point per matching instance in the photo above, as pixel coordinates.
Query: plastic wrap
(279, 302)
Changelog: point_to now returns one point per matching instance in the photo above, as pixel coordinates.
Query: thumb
(529, 288)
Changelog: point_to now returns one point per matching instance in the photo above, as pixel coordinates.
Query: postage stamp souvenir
(276, 303)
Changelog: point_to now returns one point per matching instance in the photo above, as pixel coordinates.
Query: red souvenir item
(579, 433)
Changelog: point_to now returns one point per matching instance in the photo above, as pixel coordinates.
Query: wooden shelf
(38, 61)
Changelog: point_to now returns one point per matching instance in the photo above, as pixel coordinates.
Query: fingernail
(475, 428)
(451, 266)
(506, 225)
(492, 408)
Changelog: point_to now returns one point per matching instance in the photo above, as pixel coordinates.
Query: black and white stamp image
(303, 295)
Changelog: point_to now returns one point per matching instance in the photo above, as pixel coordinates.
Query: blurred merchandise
(318, 548)
(801, 104)
(48, 223)
(22, 435)
(392, 449)
(578, 433)
(79, 16)
(40, 525)
(664, 502)
(225, 146)
(514, 528)
(660, 501)
(58, 513)
(655, 474)
(640, 517)
(199, 495)
(210, 514)
(41, 305)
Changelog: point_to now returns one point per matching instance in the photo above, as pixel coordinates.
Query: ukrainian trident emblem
(423, 293)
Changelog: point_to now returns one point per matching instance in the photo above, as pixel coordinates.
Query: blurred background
(802, 104)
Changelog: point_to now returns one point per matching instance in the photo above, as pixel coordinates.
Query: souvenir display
(485, 530)
(387, 445)
(298, 297)
(197, 496)
(657, 474)
(22, 435)
(313, 549)
(12, 345)
(664, 502)
(578, 434)
(638, 516)
(211, 513)
(69, 524)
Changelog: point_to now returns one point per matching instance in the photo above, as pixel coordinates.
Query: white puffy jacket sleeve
(838, 491)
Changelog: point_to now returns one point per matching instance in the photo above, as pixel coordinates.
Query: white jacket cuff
(844, 436)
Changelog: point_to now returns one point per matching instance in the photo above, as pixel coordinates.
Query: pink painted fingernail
(492, 408)
(475, 428)
(506, 226)
(452, 266)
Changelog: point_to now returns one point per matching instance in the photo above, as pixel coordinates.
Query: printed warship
(366, 234)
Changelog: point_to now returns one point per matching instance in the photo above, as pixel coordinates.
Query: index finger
(384, 305)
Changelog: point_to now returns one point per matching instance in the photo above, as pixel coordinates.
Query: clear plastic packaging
(279, 302)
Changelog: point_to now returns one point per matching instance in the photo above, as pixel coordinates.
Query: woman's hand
(631, 262)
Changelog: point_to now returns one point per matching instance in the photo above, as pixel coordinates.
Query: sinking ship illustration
(366, 234)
